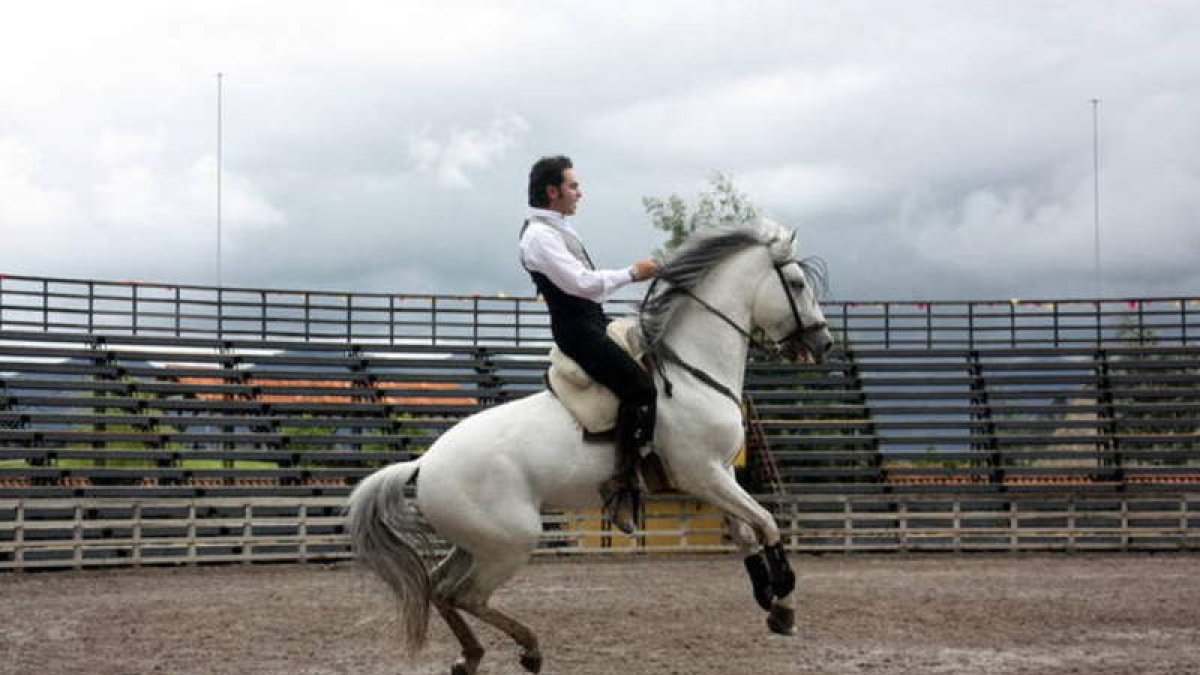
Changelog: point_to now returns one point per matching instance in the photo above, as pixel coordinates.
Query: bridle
(775, 348)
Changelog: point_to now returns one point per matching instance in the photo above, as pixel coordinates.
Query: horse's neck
(704, 340)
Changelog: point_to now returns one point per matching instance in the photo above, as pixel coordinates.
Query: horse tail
(390, 538)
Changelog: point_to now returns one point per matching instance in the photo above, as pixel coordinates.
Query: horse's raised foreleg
(742, 535)
(756, 563)
(770, 574)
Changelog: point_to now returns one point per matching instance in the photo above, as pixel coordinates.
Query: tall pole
(1096, 188)
(220, 76)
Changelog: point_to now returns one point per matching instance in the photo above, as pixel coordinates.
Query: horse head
(785, 303)
(759, 273)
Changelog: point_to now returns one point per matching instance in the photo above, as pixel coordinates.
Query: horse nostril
(827, 346)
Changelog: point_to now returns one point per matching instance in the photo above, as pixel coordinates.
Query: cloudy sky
(939, 150)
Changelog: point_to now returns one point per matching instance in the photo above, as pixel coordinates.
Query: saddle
(592, 404)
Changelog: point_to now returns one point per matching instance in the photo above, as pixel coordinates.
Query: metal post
(1141, 322)
(1056, 343)
(971, 324)
(1183, 319)
(391, 319)
(307, 316)
(929, 325)
(887, 325)
(1096, 188)
(517, 319)
(433, 317)
(220, 77)
(846, 324)
(1012, 324)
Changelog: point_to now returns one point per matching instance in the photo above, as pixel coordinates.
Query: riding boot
(622, 494)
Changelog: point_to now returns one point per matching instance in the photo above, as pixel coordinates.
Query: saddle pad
(591, 403)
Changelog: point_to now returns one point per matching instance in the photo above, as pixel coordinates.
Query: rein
(670, 354)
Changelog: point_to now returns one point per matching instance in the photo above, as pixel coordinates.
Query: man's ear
(552, 192)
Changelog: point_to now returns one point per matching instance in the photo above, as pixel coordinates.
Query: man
(553, 254)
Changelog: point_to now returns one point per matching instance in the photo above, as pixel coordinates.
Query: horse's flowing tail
(388, 536)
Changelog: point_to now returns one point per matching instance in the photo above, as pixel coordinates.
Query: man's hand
(644, 269)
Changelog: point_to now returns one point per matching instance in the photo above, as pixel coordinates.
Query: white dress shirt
(543, 250)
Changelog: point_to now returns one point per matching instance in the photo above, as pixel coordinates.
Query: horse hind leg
(493, 541)
(461, 583)
(448, 577)
(473, 598)
(472, 650)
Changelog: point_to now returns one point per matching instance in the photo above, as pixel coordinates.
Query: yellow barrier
(671, 523)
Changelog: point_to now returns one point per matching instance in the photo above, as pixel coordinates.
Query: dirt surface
(889, 614)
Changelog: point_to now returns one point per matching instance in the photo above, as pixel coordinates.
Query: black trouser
(613, 367)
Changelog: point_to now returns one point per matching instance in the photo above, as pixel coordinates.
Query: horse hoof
(460, 667)
(782, 620)
(532, 661)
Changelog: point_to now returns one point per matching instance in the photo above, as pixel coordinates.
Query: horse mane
(690, 263)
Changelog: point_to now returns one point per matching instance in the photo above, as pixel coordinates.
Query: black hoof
(532, 662)
(782, 620)
(461, 667)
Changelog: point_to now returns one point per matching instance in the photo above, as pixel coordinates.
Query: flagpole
(1096, 191)
(220, 77)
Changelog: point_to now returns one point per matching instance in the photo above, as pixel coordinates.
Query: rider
(554, 256)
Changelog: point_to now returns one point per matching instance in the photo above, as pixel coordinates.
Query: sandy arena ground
(865, 614)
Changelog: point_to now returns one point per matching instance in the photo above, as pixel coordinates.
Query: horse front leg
(771, 576)
(746, 539)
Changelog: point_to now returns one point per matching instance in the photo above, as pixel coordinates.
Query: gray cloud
(926, 150)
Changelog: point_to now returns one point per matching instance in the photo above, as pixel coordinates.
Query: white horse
(482, 484)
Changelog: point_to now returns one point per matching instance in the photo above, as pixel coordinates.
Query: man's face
(565, 196)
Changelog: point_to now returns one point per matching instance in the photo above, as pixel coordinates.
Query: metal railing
(47, 304)
(280, 399)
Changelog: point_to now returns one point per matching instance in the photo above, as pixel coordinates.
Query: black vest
(569, 314)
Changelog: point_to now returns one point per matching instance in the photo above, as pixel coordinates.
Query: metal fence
(136, 308)
(148, 423)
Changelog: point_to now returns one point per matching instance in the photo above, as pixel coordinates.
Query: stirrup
(622, 505)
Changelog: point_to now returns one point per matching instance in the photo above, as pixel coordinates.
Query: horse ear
(791, 244)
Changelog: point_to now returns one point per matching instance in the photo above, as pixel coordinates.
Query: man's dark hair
(546, 171)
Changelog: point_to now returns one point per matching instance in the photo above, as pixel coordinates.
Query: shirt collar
(550, 215)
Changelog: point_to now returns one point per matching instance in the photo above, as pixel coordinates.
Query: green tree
(721, 204)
